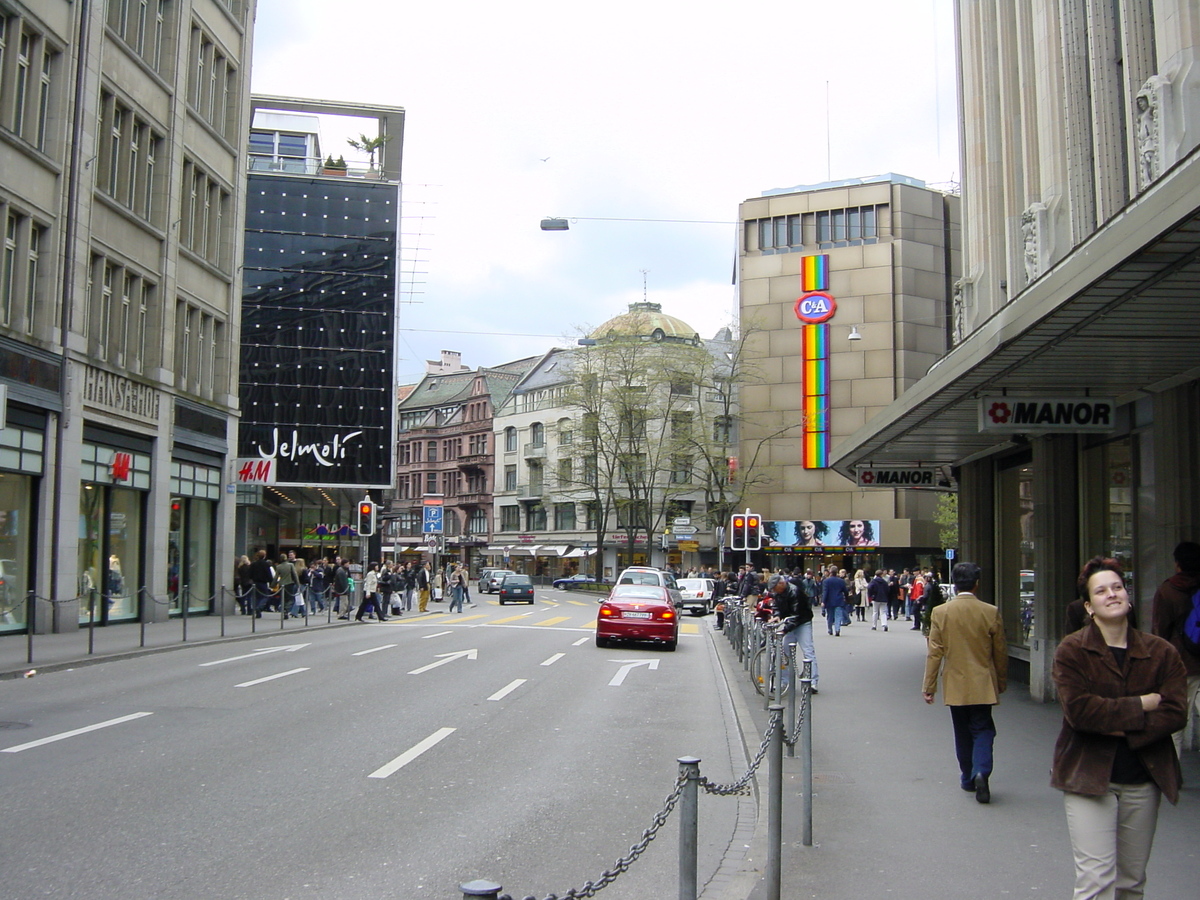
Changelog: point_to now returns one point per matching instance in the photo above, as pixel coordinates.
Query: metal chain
(591, 888)
(740, 786)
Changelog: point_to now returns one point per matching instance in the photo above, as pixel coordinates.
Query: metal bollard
(806, 768)
(689, 826)
(480, 888)
(775, 805)
(793, 683)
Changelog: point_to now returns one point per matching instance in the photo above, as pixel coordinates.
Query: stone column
(1056, 551)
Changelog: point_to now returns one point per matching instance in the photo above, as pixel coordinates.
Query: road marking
(409, 755)
(555, 658)
(68, 734)
(689, 628)
(553, 621)
(510, 618)
(445, 658)
(582, 640)
(373, 650)
(436, 634)
(289, 648)
(507, 689)
(459, 617)
(580, 603)
(271, 677)
(629, 666)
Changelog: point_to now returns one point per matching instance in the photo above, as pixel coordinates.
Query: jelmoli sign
(1019, 415)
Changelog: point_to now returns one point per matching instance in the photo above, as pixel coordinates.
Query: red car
(638, 612)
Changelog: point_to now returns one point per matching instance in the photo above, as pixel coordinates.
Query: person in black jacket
(793, 606)
(262, 573)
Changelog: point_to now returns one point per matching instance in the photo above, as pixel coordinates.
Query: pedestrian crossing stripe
(508, 619)
(553, 621)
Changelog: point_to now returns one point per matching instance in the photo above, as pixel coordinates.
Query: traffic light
(366, 518)
(753, 532)
(737, 532)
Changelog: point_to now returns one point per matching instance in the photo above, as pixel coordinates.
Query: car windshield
(636, 592)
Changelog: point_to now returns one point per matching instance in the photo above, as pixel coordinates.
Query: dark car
(565, 584)
(638, 612)
(516, 587)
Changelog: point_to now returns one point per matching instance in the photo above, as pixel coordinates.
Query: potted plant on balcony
(334, 167)
(369, 145)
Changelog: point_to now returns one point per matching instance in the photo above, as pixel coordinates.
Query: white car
(651, 576)
(697, 594)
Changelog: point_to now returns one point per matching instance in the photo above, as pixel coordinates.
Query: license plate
(636, 615)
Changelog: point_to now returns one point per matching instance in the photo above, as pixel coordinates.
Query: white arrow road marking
(444, 658)
(288, 648)
(77, 731)
(619, 678)
(271, 677)
(436, 634)
(409, 755)
(373, 650)
(507, 689)
(555, 658)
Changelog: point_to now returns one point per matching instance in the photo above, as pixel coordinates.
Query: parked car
(565, 584)
(516, 587)
(697, 594)
(489, 579)
(638, 612)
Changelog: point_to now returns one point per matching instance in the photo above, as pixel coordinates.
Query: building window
(591, 511)
(564, 516)
(431, 451)
(127, 160)
(681, 470)
(478, 444)
(206, 217)
(213, 79)
(510, 478)
(537, 435)
(477, 525)
(510, 440)
(537, 517)
(140, 24)
(431, 483)
(510, 518)
(722, 429)
(566, 473)
(825, 228)
(565, 435)
(403, 487)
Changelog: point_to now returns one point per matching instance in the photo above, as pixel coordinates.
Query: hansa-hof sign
(1047, 414)
(929, 478)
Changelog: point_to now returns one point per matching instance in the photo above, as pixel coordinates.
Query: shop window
(1016, 575)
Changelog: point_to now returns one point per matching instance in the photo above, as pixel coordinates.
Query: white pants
(1111, 838)
(879, 614)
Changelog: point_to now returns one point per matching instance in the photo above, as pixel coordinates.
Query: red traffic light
(739, 521)
(365, 509)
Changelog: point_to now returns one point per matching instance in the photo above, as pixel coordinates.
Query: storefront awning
(578, 552)
(1119, 332)
(524, 550)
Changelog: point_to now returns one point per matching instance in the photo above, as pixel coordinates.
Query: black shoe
(814, 691)
(982, 792)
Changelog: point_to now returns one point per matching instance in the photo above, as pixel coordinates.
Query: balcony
(475, 461)
(535, 451)
(306, 165)
(529, 492)
(473, 500)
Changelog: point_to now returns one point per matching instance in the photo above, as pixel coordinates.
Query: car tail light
(668, 614)
(607, 610)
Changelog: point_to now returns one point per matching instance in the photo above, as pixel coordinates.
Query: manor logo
(1046, 414)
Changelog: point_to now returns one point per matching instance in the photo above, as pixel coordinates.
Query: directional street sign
(684, 529)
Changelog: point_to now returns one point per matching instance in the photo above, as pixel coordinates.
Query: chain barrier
(742, 785)
(591, 888)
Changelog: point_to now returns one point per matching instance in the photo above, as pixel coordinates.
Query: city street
(392, 759)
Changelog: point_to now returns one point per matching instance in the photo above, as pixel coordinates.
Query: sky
(622, 111)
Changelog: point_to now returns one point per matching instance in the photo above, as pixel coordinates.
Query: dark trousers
(974, 735)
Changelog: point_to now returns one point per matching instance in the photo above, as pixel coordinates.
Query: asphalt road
(387, 760)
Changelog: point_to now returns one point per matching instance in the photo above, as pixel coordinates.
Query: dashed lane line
(78, 731)
(412, 753)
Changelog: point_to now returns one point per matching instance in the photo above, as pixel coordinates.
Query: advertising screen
(822, 533)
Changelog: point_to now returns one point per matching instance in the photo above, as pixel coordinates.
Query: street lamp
(554, 224)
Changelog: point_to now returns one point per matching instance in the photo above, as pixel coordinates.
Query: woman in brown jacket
(1122, 694)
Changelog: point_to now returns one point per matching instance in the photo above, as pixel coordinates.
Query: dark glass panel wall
(318, 329)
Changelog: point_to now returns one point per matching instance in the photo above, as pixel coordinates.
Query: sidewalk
(889, 818)
(59, 651)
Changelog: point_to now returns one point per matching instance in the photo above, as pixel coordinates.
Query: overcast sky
(652, 109)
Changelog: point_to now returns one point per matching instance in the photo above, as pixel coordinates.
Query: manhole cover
(14, 725)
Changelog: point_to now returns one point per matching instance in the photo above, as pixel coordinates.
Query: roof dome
(647, 321)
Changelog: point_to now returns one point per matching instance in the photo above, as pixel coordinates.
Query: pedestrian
(318, 583)
(795, 614)
(370, 601)
(389, 580)
(967, 649)
(244, 586)
(341, 588)
(915, 599)
(893, 594)
(878, 591)
(906, 580)
(861, 599)
(289, 585)
(1173, 603)
(262, 573)
(423, 588)
(457, 581)
(833, 601)
(1122, 693)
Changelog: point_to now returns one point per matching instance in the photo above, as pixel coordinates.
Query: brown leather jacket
(1098, 699)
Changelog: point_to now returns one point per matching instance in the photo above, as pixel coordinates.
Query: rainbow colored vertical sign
(814, 355)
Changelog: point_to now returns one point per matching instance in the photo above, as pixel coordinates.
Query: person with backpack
(1177, 621)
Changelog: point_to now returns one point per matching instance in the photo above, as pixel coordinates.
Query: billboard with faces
(821, 533)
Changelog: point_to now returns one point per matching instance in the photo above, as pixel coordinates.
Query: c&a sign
(815, 308)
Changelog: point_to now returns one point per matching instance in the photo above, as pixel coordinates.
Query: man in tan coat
(967, 646)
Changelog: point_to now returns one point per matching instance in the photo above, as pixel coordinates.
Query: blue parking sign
(433, 520)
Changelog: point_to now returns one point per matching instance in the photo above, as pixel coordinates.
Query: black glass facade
(318, 329)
